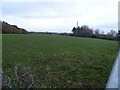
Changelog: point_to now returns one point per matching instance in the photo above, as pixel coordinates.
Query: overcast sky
(61, 15)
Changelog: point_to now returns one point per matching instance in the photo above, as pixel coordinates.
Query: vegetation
(11, 29)
(58, 61)
(85, 31)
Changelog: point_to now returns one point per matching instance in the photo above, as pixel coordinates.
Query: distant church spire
(77, 23)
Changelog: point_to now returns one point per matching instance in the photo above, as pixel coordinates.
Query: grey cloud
(40, 10)
(99, 14)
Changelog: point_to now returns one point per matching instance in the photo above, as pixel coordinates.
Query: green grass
(60, 61)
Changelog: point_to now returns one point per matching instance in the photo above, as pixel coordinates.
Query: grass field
(60, 61)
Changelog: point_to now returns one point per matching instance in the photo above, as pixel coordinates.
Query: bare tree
(86, 31)
(97, 31)
(112, 33)
(102, 32)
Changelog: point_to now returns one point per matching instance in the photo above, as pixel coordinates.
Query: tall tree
(86, 31)
(102, 32)
(97, 31)
(112, 33)
(83, 31)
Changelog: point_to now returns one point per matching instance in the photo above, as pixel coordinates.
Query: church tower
(77, 24)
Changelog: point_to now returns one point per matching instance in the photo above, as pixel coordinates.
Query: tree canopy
(83, 31)
(12, 29)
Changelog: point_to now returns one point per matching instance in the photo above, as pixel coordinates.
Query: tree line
(11, 29)
(85, 31)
